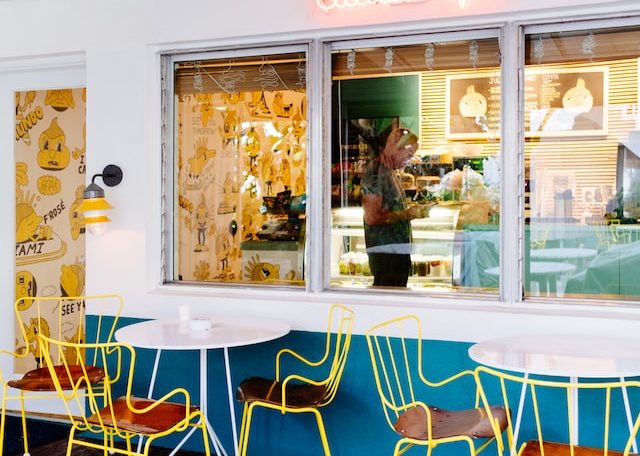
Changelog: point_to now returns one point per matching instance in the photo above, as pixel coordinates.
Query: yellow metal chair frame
(46, 316)
(106, 416)
(395, 348)
(296, 393)
(520, 386)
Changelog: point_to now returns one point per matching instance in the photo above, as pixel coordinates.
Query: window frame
(317, 288)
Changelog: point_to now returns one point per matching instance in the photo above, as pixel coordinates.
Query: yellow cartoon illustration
(229, 129)
(26, 286)
(200, 158)
(21, 175)
(252, 146)
(261, 271)
(60, 100)
(205, 107)
(26, 119)
(473, 104)
(36, 325)
(223, 249)
(202, 219)
(258, 105)
(280, 108)
(578, 99)
(53, 153)
(202, 271)
(28, 223)
(72, 279)
(76, 218)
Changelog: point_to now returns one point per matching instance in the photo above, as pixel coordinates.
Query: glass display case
(435, 259)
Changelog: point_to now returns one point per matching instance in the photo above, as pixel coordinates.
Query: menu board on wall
(558, 102)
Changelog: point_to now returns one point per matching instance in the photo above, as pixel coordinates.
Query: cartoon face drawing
(53, 153)
(578, 99)
(473, 104)
(261, 271)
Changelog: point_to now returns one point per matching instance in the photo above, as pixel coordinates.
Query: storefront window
(582, 164)
(239, 167)
(415, 167)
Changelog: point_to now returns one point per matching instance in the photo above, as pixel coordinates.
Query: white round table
(546, 273)
(578, 255)
(564, 355)
(225, 332)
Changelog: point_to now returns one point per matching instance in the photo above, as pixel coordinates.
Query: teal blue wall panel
(355, 421)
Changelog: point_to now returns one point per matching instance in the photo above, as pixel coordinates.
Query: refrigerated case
(436, 260)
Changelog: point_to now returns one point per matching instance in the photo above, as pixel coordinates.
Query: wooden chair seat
(40, 379)
(532, 448)
(270, 391)
(159, 419)
(448, 423)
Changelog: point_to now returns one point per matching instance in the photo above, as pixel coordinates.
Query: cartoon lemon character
(60, 100)
(261, 271)
(53, 153)
(71, 280)
(578, 99)
(26, 287)
(473, 104)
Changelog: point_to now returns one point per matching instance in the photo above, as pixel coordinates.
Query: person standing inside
(387, 217)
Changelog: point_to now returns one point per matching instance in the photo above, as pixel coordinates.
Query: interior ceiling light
(94, 203)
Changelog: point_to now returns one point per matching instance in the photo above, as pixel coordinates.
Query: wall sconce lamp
(94, 204)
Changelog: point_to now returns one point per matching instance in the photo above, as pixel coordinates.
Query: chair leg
(205, 434)
(3, 417)
(323, 434)
(23, 412)
(72, 434)
(242, 424)
(246, 419)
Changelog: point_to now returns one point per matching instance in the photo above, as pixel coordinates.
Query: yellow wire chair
(395, 348)
(555, 401)
(298, 393)
(62, 318)
(106, 415)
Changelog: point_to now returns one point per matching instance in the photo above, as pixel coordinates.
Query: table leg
(231, 401)
(152, 383)
(574, 439)
(217, 444)
(516, 428)
(627, 409)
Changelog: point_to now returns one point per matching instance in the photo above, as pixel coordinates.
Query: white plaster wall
(120, 41)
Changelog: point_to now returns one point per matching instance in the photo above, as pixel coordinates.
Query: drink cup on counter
(422, 268)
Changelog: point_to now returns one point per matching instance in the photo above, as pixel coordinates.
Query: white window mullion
(511, 214)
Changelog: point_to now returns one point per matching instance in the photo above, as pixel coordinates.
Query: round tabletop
(562, 253)
(540, 268)
(225, 332)
(566, 355)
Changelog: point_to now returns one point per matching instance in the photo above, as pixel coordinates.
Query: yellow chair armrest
(157, 402)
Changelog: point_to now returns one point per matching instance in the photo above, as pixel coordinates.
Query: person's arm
(376, 214)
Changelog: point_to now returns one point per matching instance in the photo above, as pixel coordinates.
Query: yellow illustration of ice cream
(53, 153)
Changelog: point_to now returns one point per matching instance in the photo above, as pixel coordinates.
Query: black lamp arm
(111, 175)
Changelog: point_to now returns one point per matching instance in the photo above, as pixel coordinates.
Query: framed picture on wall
(558, 102)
